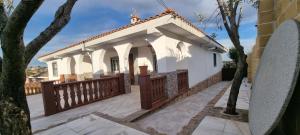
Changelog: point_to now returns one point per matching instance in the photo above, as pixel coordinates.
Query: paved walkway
(171, 119)
(92, 125)
(243, 99)
(219, 126)
(118, 107)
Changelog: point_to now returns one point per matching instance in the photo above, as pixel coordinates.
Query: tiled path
(118, 107)
(243, 99)
(171, 119)
(92, 125)
(219, 126)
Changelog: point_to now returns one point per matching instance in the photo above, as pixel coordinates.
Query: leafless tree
(229, 14)
(14, 112)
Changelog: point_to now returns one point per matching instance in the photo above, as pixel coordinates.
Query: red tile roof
(167, 12)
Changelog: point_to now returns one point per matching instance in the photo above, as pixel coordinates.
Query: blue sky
(92, 17)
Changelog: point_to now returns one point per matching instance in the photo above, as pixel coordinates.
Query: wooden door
(131, 68)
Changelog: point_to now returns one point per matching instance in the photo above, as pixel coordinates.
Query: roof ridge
(166, 12)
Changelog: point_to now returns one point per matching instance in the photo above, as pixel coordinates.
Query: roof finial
(169, 10)
(134, 17)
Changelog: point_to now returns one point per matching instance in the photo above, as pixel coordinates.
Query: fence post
(121, 83)
(145, 89)
(48, 97)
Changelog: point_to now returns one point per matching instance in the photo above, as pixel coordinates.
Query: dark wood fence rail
(158, 89)
(65, 96)
(153, 90)
(32, 88)
(183, 81)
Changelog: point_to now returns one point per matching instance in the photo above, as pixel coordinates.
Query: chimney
(134, 19)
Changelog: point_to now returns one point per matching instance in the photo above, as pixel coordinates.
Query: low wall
(208, 82)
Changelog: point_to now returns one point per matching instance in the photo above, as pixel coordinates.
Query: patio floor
(92, 125)
(171, 119)
(117, 107)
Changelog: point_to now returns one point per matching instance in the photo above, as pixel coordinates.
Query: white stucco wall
(106, 67)
(201, 65)
(145, 57)
(86, 64)
(59, 67)
(196, 59)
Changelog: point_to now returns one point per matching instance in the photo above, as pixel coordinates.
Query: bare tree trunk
(235, 87)
(12, 84)
(14, 111)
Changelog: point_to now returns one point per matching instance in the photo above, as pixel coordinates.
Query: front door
(131, 68)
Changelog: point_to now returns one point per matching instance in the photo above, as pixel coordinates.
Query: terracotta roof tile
(167, 12)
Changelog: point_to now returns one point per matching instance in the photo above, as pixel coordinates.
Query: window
(114, 64)
(54, 69)
(215, 60)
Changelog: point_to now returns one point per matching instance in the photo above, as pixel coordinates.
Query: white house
(165, 43)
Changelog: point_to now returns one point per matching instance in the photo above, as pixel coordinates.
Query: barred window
(114, 64)
(215, 60)
(54, 69)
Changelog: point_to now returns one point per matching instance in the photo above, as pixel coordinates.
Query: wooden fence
(158, 89)
(153, 90)
(65, 96)
(32, 88)
(183, 81)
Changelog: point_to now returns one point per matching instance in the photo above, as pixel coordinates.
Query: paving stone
(172, 118)
(115, 107)
(92, 125)
(243, 98)
(218, 126)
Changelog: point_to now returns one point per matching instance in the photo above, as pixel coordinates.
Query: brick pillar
(146, 96)
(48, 97)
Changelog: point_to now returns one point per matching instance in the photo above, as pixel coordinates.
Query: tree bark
(13, 100)
(235, 87)
(62, 18)
(231, 23)
(14, 111)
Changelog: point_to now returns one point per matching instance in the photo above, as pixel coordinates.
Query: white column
(97, 61)
(78, 59)
(123, 53)
(64, 66)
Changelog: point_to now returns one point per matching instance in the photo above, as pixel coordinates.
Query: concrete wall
(191, 56)
(201, 64)
(271, 14)
(172, 51)
(107, 63)
(145, 57)
(50, 69)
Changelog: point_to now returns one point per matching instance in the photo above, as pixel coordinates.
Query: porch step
(132, 117)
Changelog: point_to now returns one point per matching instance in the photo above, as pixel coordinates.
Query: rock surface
(275, 79)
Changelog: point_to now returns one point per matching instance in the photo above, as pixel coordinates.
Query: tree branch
(62, 17)
(3, 17)
(222, 12)
(240, 17)
(18, 20)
